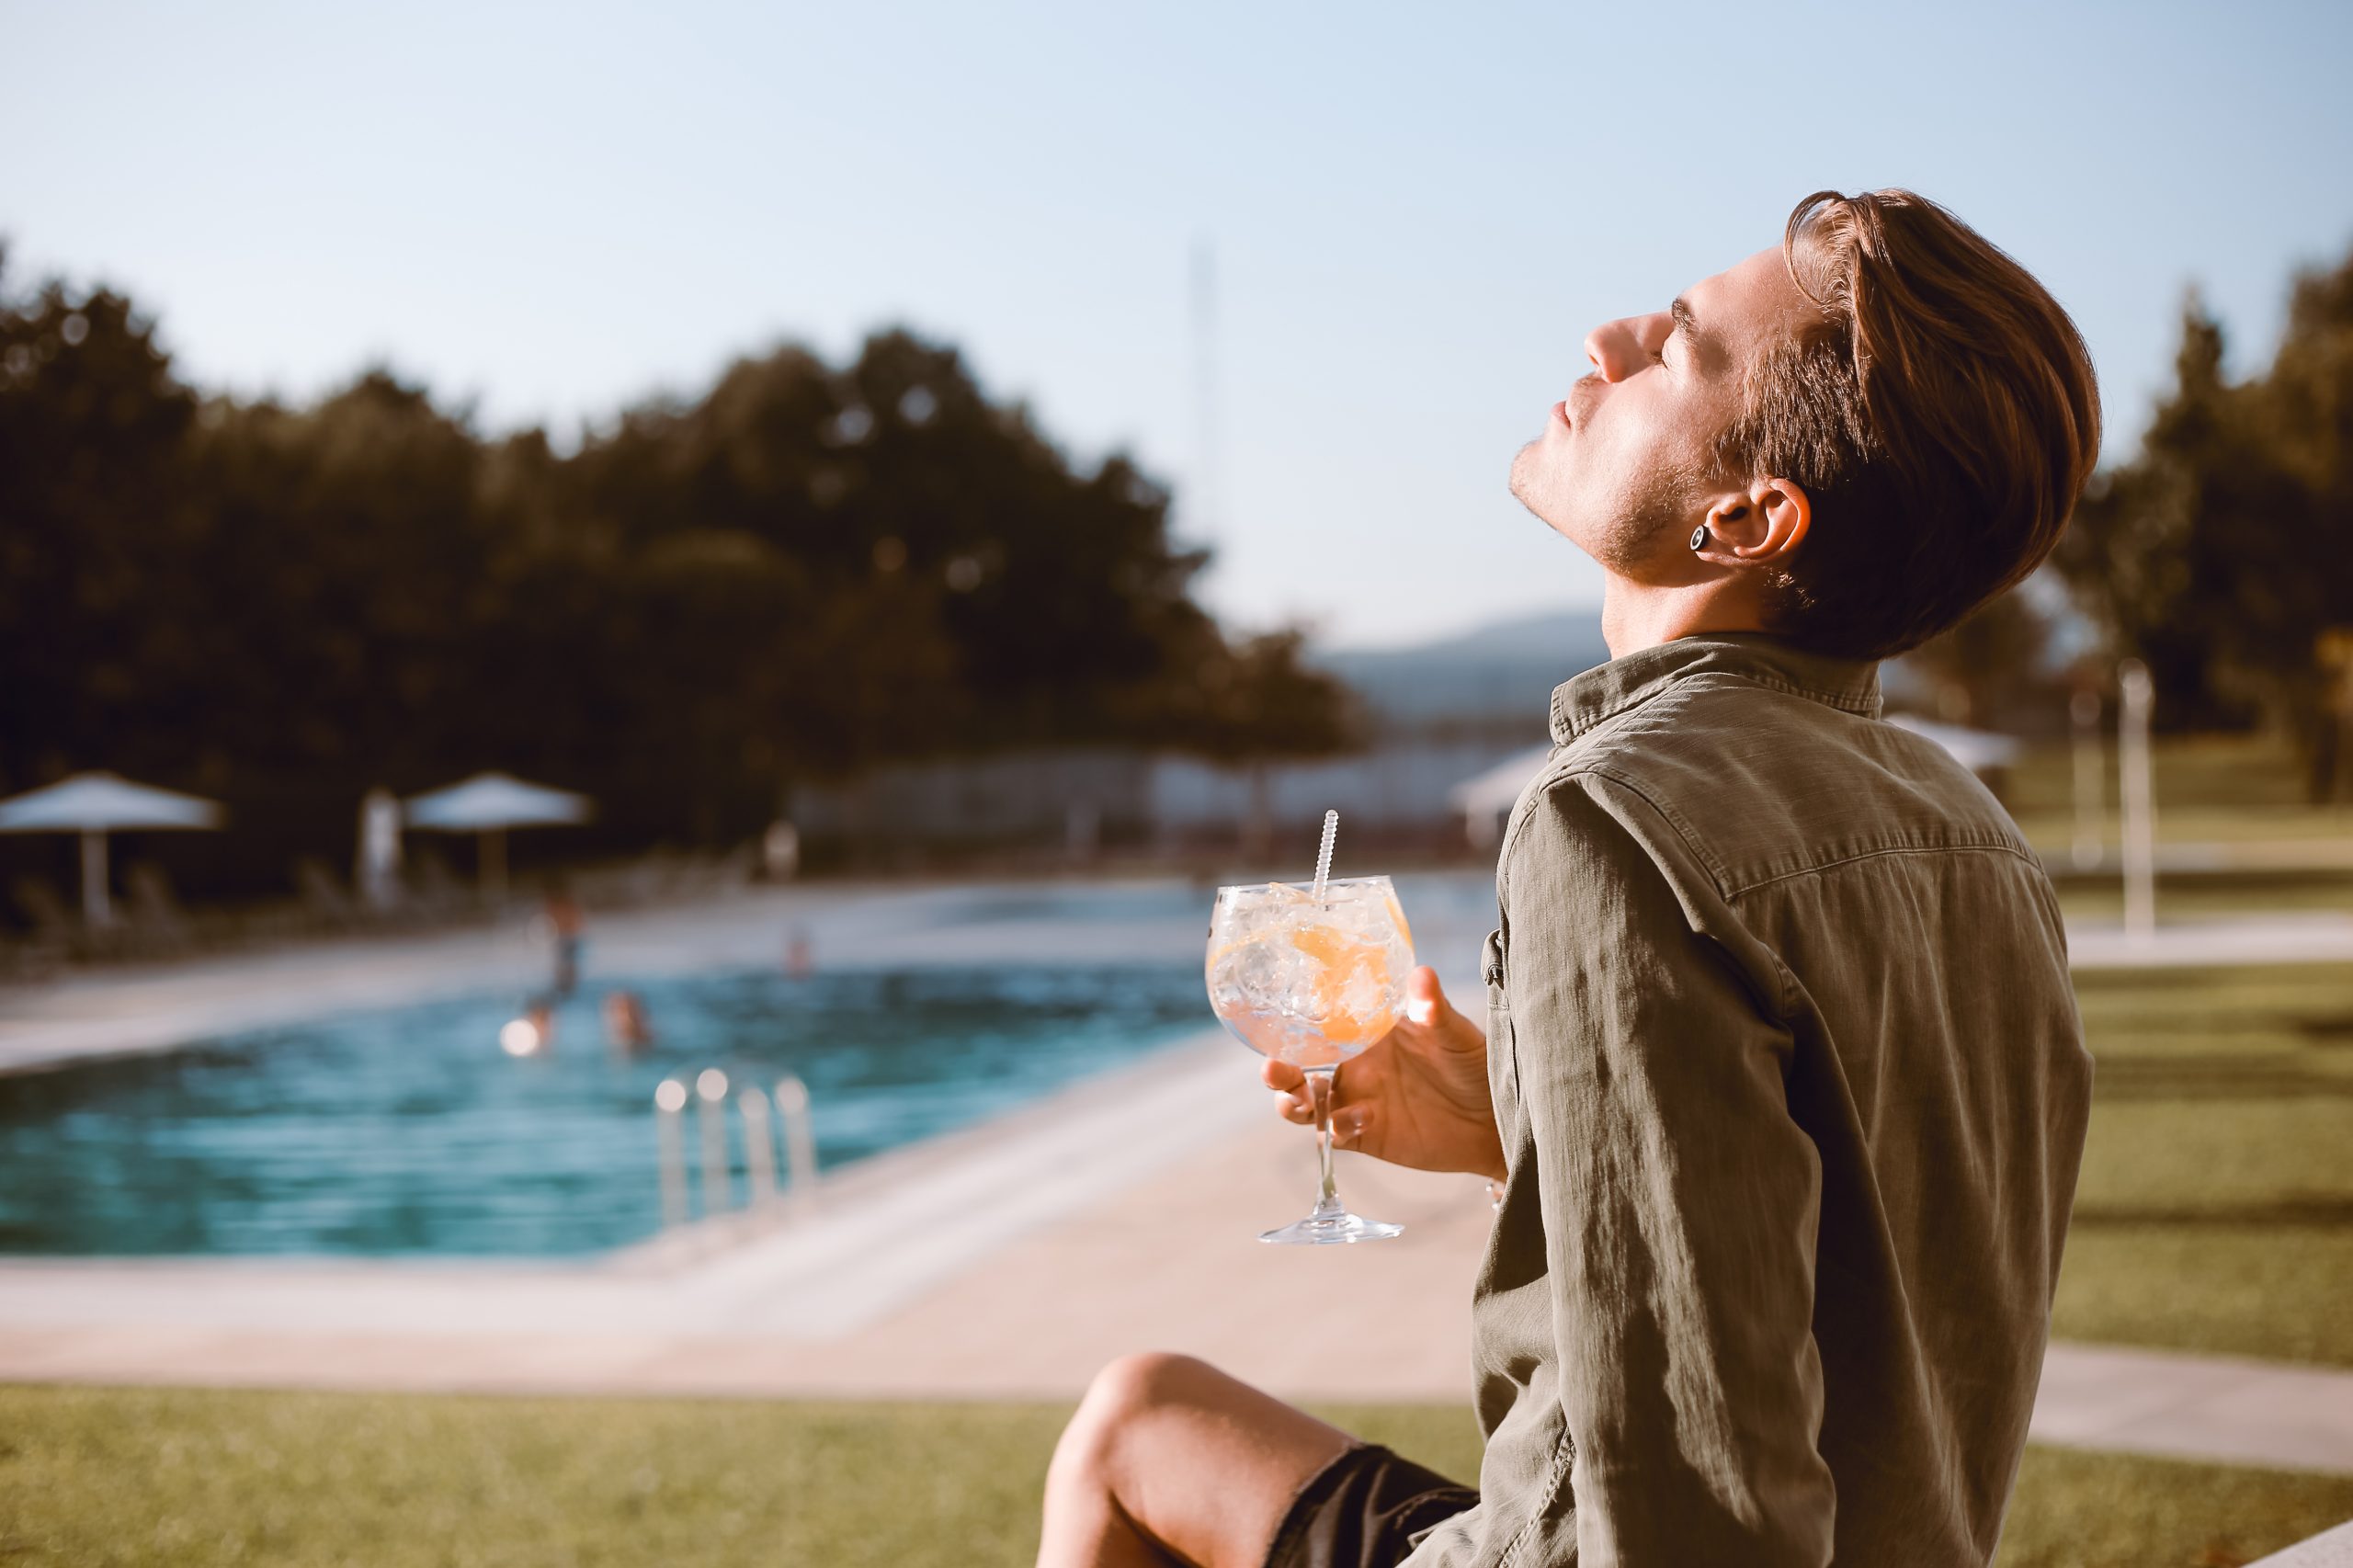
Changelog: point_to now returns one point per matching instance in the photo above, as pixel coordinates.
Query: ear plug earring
(1699, 536)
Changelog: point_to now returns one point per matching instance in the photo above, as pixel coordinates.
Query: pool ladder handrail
(791, 1100)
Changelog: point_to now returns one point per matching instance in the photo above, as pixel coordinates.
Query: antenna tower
(1201, 517)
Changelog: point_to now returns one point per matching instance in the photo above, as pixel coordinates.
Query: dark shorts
(1363, 1510)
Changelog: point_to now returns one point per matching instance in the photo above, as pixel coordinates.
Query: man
(1783, 1080)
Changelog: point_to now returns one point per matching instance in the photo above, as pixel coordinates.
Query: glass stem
(1319, 1085)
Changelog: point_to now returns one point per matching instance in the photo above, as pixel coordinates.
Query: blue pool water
(408, 1132)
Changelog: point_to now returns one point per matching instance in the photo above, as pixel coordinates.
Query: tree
(1987, 664)
(2307, 400)
(807, 572)
(1257, 702)
(2222, 553)
(341, 560)
(92, 517)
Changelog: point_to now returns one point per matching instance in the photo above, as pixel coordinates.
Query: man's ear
(1765, 523)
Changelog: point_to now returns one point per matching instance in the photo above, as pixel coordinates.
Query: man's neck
(1635, 616)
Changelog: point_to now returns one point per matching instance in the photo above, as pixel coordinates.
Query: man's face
(1625, 467)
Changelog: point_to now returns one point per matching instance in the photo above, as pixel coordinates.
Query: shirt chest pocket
(1503, 1061)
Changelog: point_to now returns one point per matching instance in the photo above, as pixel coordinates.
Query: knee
(1148, 1379)
(1122, 1396)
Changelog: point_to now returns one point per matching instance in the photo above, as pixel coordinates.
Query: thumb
(1425, 1003)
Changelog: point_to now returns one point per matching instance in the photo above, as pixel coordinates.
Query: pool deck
(1007, 1261)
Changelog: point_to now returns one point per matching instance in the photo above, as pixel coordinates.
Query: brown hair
(1940, 413)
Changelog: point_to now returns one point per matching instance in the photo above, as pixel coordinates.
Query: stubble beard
(1632, 542)
(1626, 537)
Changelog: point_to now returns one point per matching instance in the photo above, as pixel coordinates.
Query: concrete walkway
(2320, 935)
(2332, 1549)
(1009, 1262)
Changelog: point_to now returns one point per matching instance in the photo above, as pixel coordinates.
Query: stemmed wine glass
(1311, 980)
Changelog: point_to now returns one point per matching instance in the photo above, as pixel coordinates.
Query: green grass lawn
(2215, 1209)
(117, 1477)
(2209, 789)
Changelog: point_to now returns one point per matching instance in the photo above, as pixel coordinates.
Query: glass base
(1336, 1229)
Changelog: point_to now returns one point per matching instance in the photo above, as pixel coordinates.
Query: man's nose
(1620, 347)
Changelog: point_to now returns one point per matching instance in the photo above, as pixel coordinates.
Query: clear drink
(1311, 981)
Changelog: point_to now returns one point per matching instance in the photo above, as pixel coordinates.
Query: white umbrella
(490, 803)
(1484, 798)
(95, 804)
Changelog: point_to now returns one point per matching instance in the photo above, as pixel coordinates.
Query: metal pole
(379, 858)
(95, 908)
(800, 1138)
(2084, 708)
(670, 1150)
(1202, 508)
(717, 1191)
(2139, 791)
(493, 864)
(759, 1147)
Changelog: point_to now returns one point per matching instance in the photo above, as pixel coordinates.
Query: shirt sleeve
(1680, 1198)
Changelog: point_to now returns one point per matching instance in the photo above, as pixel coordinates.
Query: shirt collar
(1607, 689)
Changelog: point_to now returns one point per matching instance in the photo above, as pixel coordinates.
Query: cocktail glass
(1311, 981)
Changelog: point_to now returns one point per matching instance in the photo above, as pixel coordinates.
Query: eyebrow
(1687, 323)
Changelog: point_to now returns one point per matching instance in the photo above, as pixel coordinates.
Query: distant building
(1016, 798)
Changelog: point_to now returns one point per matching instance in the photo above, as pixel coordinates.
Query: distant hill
(1500, 675)
(1500, 678)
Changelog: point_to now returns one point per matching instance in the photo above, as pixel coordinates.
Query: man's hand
(1417, 1098)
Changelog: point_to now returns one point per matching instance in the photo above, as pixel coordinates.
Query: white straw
(1323, 854)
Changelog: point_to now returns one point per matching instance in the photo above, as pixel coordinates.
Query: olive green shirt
(1791, 1088)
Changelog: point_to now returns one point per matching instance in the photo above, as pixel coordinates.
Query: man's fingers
(1349, 1123)
(1291, 1093)
(1426, 1002)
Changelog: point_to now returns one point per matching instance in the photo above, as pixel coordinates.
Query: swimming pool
(407, 1131)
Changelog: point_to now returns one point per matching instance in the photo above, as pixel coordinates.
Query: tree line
(809, 571)
(2221, 553)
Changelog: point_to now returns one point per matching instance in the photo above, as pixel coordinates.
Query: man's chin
(1526, 486)
(1544, 503)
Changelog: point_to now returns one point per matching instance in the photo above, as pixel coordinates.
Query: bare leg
(1169, 1461)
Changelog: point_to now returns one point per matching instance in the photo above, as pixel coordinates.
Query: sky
(1414, 213)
